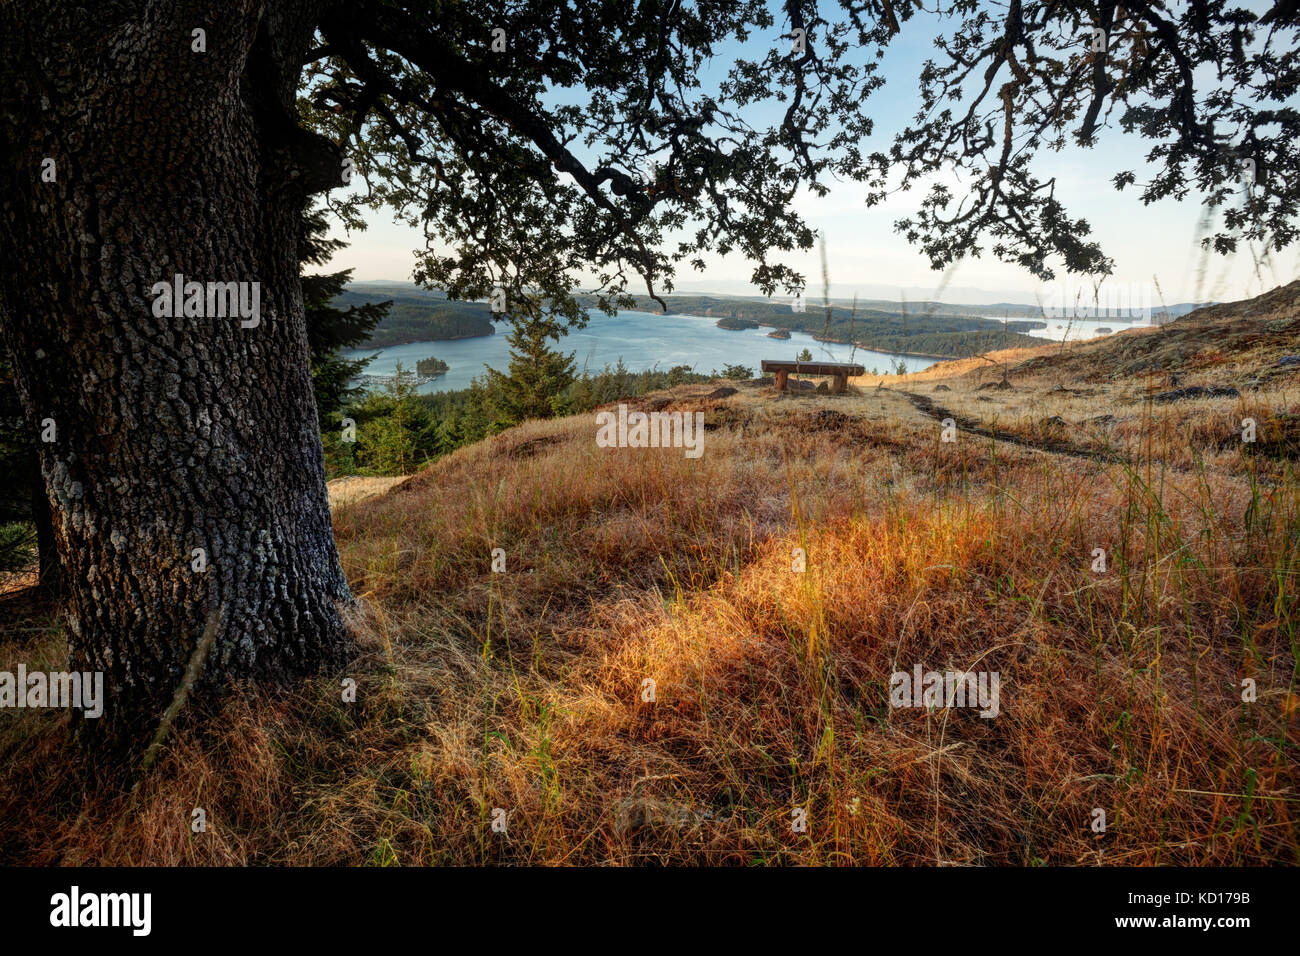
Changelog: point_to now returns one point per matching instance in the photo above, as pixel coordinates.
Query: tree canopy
(541, 139)
(1211, 85)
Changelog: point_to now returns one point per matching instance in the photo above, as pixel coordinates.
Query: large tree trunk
(171, 434)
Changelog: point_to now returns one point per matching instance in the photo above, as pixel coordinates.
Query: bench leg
(780, 380)
(841, 383)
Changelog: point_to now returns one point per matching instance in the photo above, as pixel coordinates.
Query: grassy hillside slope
(1121, 691)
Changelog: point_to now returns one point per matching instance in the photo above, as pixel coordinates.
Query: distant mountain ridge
(403, 291)
(938, 330)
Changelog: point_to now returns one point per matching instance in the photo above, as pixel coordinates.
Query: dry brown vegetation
(522, 690)
(354, 488)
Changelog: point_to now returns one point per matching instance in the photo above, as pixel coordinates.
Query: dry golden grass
(354, 488)
(523, 690)
(14, 581)
(1097, 397)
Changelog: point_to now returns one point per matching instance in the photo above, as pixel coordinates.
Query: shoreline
(451, 338)
(367, 378)
(817, 338)
(868, 348)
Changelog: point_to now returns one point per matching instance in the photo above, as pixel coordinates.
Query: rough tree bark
(171, 434)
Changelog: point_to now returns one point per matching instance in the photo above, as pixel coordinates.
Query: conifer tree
(539, 375)
(330, 330)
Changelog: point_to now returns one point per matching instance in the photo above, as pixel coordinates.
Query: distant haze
(843, 294)
(955, 295)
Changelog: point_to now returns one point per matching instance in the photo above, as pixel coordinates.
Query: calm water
(1079, 330)
(643, 340)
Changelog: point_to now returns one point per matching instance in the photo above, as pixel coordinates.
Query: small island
(430, 367)
(779, 334)
(736, 324)
(426, 371)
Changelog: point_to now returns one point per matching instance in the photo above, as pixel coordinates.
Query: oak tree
(147, 144)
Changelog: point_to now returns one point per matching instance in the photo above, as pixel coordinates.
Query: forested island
(430, 367)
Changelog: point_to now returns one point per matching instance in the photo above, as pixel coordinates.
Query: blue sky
(866, 257)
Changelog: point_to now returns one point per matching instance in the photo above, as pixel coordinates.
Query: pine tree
(395, 431)
(540, 376)
(329, 329)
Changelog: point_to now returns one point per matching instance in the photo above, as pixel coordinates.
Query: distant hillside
(921, 328)
(996, 310)
(913, 331)
(418, 315)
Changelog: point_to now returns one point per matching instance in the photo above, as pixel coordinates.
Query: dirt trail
(928, 406)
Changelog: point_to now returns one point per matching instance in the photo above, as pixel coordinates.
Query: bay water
(643, 340)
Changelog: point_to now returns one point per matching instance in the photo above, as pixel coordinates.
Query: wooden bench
(841, 371)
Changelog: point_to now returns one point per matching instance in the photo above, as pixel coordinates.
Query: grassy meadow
(525, 690)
